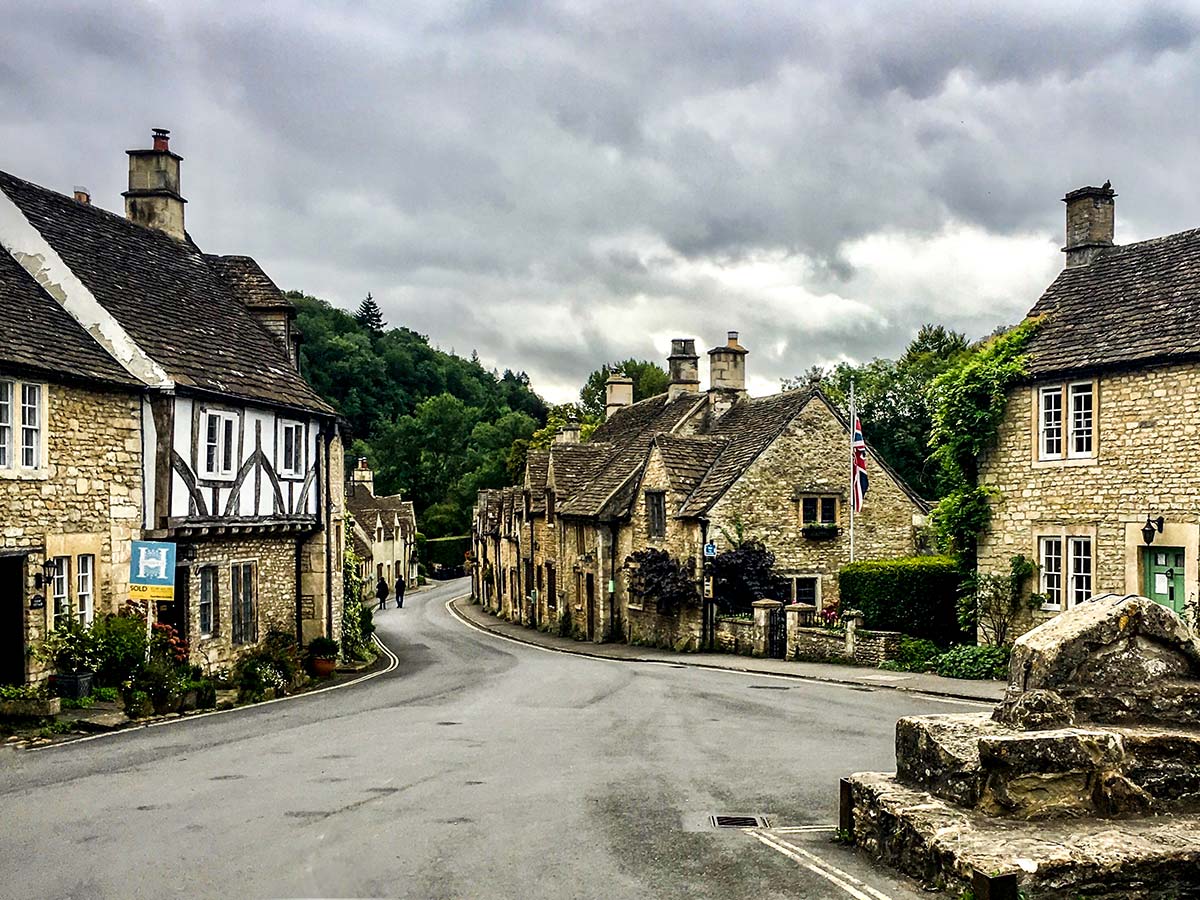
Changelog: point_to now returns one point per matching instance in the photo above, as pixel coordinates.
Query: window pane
(60, 586)
(806, 591)
(1051, 421)
(808, 510)
(1051, 563)
(1081, 419)
(206, 600)
(1081, 570)
(84, 590)
(31, 429)
(6, 388)
(828, 510)
(227, 449)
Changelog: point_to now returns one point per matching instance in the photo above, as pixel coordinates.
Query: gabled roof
(39, 335)
(594, 497)
(688, 459)
(389, 510)
(646, 418)
(573, 465)
(249, 283)
(177, 304)
(1134, 304)
(748, 428)
(537, 469)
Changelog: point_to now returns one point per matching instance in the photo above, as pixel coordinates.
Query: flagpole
(853, 473)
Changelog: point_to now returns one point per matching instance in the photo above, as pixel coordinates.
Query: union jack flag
(858, 467)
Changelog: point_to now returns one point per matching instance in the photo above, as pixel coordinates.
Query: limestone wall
(1145, 440)
(825, 644)
(735, 636)
(87, 499)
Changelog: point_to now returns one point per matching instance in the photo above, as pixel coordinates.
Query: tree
(369, 315)
(649, 379)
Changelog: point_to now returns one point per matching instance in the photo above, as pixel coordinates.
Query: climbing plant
(968, 406)
(993, 603)
(658, 576)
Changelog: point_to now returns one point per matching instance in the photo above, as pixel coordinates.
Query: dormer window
(1066, 421)
(291, 450)
(220, 436)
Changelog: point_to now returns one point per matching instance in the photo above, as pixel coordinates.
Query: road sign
(710, 550)
(708, 588)
(152, 571)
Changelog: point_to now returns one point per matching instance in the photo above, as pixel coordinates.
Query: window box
(820, 531)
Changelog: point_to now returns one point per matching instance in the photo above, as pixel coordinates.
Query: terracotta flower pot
(323, 668)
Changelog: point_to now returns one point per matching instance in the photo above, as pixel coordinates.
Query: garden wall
(870, 648)
(735, 636)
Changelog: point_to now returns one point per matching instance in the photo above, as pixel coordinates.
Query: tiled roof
(646, 418)
(537, 468)
(618, 466)
(749, 428)
(367, 507)
(249, 283)
(38, 334)
(1136, 303)
(170, 298)
(688, 459)
(573, 465)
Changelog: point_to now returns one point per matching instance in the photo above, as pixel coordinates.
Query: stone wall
(275, 560)
(1145, 436)
(825, 644)
(87, 499)
(735, 636)
(812, 457)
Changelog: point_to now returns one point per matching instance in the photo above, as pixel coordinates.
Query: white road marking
(394, 661)
(803, 829)
(831, 873)
(674, 665)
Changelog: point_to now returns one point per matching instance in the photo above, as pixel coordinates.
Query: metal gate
(776, 633)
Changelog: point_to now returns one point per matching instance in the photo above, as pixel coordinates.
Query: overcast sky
(558, 184)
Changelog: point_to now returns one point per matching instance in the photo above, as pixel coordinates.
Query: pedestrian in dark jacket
(381, 591)
(400, 586)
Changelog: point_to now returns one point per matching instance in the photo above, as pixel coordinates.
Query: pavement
(934, 685)
(474, 767)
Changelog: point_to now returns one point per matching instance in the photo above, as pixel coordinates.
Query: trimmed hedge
(915, 596)
(447, 551)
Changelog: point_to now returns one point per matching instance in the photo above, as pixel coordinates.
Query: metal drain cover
(771, 687)
(739, 821)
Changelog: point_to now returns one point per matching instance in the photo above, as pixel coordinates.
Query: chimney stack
(684, 366)
(618, 392)
(569, 433)
(153, 199)
(1090, 223)
(363, 475)
(727, 374)
(83, 196)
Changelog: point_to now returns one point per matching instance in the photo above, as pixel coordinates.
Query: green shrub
(120, 647)
(206, 693)
(24, 691)
(322, 648)
(446, 551)
(105, 694)
(972, 661)
(275, 663)
(916, 655)
(916, 596)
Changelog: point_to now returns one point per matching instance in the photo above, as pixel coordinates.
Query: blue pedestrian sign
(152, 571)
(710, 550)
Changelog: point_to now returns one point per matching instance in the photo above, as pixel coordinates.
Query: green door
(1164, 576)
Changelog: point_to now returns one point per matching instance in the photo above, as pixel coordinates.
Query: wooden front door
(591, 606)
(1164, 576)
(12, 619)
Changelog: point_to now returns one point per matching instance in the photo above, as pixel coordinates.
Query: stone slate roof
(489, 511)
(1134, 304)
(249, 283)
(172, 300)
(573, 465)
(596, 497)
(39, 335)
(688, 459)
(537, 469)
(367, 508)
(646, 418)
(748, 428)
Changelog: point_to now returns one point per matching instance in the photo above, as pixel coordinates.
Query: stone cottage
(198, 430)
(1091, 465)
(388, 527)
(688, 467)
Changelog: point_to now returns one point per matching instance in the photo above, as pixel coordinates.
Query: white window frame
(1074, 544)
(85, 588)
(31, 432)
(1073, 432)
(60, 590)
(1047, 572)
(6, 424)
(295, 467)
(23, 407)
(1044, 430)
(228, 433)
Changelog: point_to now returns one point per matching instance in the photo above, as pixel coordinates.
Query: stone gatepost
(853, 620)
(762, 624)
(796, 613)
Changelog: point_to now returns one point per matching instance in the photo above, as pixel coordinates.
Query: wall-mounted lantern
(1151, 527)
(44, 577)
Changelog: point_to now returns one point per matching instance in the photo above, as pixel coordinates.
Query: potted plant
(71, 650)
(323, 654)
(820, 531)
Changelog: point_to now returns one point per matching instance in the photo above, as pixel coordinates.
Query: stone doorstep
(1061, 859)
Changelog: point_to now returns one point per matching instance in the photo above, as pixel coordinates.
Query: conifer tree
(369, 314)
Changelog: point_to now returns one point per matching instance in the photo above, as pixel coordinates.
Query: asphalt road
(478, 768)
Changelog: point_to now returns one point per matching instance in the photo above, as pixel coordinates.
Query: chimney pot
(1090, 223)
(153, 199)
(83, 195)
(618, 392)
(162, 138)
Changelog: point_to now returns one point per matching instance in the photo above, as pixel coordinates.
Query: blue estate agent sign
(710, 550)
(152, 571)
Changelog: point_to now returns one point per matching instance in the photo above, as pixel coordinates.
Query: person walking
(400, 586)
(381, 592)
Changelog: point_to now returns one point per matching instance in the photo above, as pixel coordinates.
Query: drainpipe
(612, 565)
